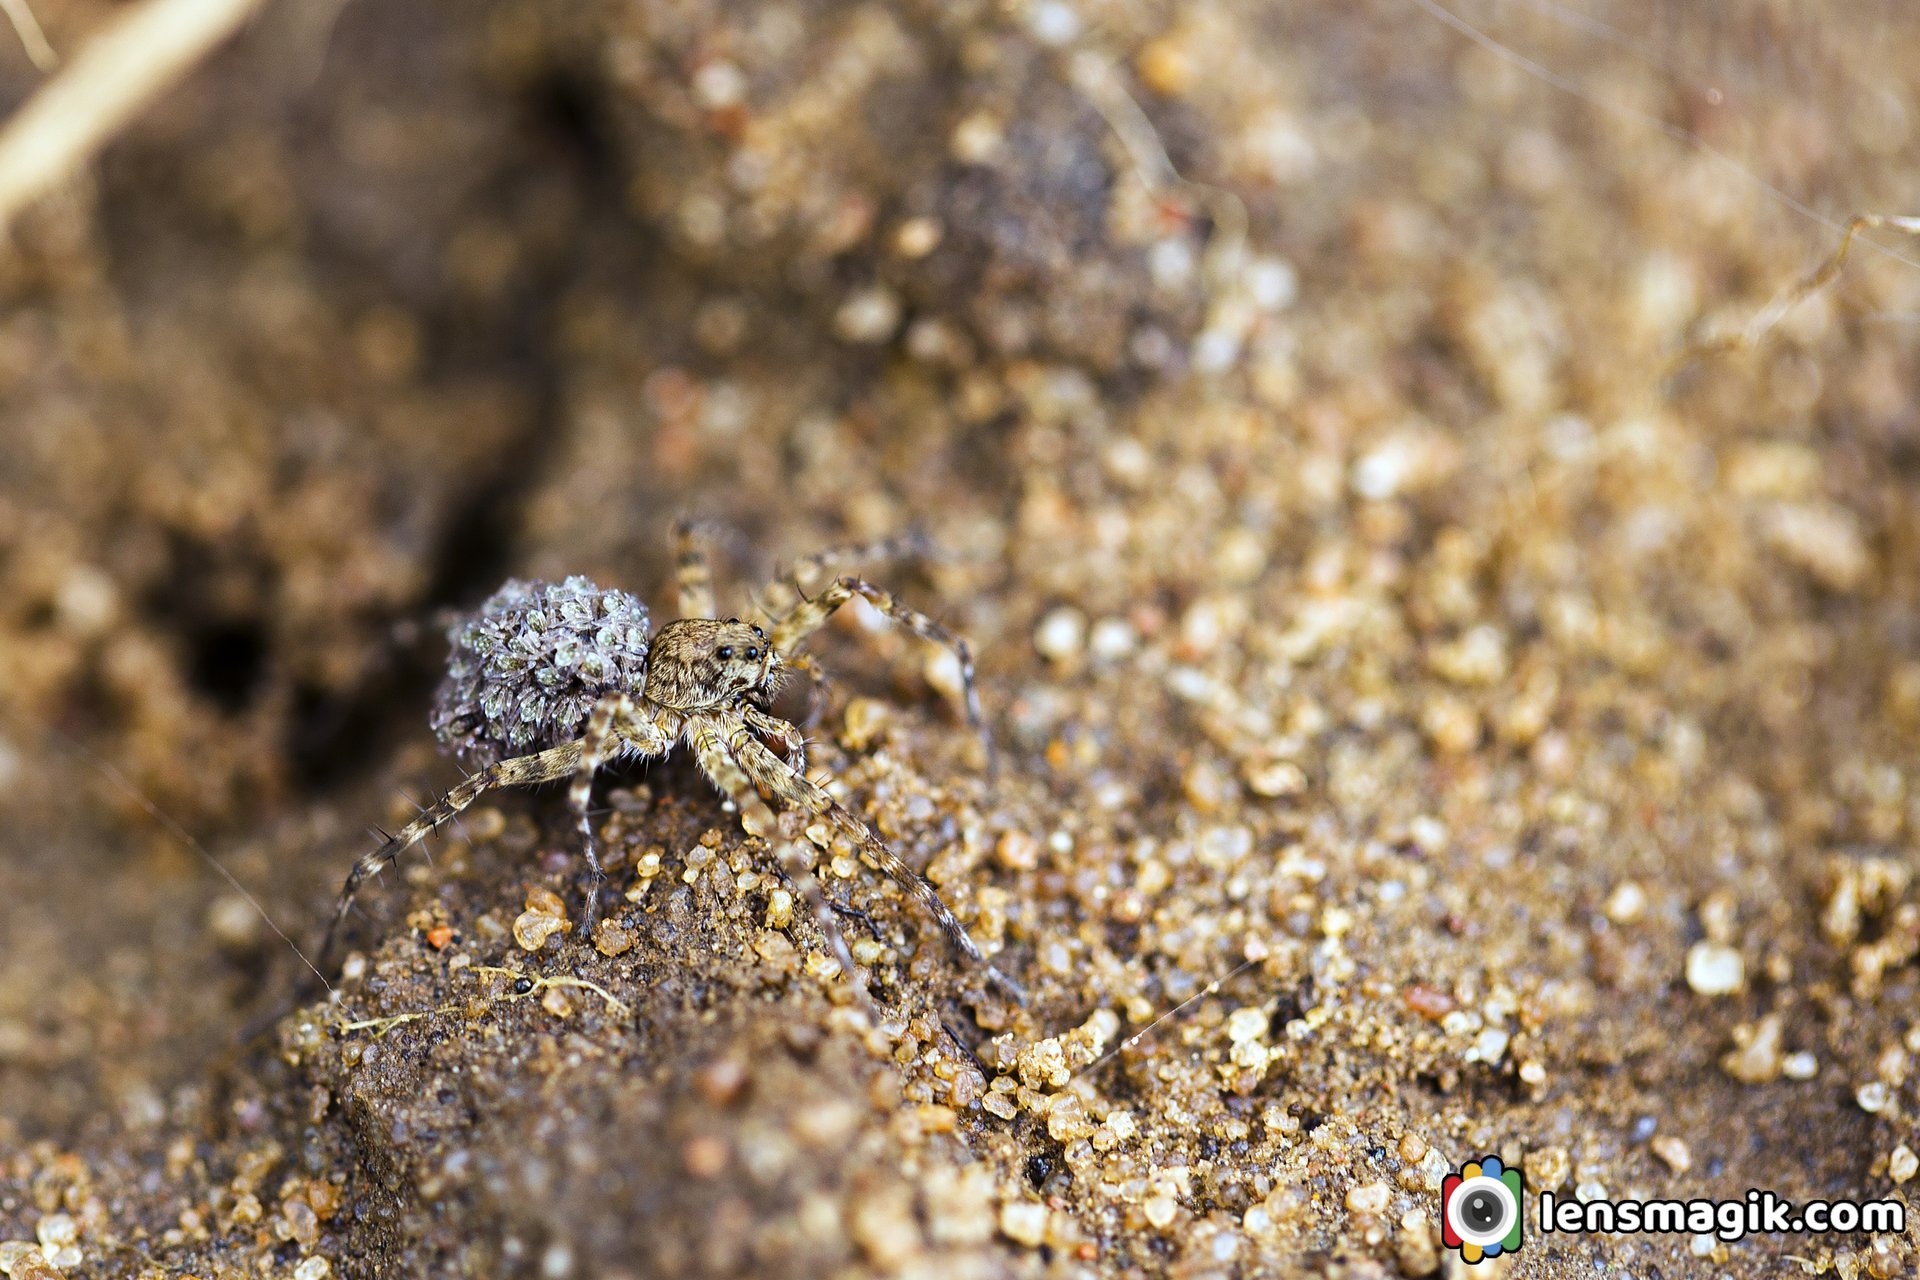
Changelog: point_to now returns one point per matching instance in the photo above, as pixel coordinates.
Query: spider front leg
(911, 545)
(792, 743)
(720, 764)
(543, 766)
(613, 727)
(809, 616)
(795, 788)
(693, 577)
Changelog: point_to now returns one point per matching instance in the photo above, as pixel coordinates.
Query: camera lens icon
(1481, 1210)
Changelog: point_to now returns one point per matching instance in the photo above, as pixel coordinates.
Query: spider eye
(757, 631)
(752, 654)
(725, 652)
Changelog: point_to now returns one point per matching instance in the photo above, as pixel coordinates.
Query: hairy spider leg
(809, 616)
(692, 575)
(718, 760)
(796, 789)
(540, 766)
(614, 729)
(792, 743)
(911, 545)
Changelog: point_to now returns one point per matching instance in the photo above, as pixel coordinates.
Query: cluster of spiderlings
(528, 666)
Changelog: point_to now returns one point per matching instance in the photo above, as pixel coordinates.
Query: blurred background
(1295, 392)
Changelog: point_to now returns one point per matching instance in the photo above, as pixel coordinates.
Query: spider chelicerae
(557, 680)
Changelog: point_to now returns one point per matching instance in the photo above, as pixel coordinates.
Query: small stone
(533, 928)
(1053, 22)
(779, 909)
(545, 916)
(705, 1156)
(555, 1002)
(959, 1204)
(1001, 1105)
(1017, 851)
(23, 1261)
(1547, 1168)
(1165, 67)
(1627, 903)
(1416, 1250)
(611, 938)
(721, 1081)
(1024, 1222)
(1061, 635)
(883, 1224)
(1249, 1024)
(314, 1268)
(1112, 639)
(1800, 1066)
(1715, 969)
(1755, 1058)
(300, 1223)
(1067, 1119)
(1160, 1210)
(1274, 778)
(977, 139)
(1902, 1164)
(1873, 1097)
(56, 1230)
(868, 316)
(1822, 538)
(1450, 723)
(864, 723)
(234, 922)
(918, 237)
(1429, 1002)
(1371, 1199)
(719, 84)
(1677, 1154)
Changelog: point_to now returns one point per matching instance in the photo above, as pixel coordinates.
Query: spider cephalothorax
(554, 680)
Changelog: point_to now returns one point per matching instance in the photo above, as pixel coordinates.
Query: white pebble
(1715, 969)
(1062, 634)
(719, 84)
(1024, 1222)
(868, 316)
(1902, 1164)
(1272, 283)
(1800, 1066)
(1053, 23)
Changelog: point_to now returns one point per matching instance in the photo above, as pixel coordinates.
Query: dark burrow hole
(225, 662)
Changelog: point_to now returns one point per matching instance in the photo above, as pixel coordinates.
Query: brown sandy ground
(1362, 602)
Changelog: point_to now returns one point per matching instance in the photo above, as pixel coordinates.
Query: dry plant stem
(118, 72)
(1755, 330)
(1097, 78)
(32, 38)
(535, 985)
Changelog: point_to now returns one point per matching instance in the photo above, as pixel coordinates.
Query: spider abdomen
(528, 665)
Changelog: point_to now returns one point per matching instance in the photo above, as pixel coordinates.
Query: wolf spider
(558, 680)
